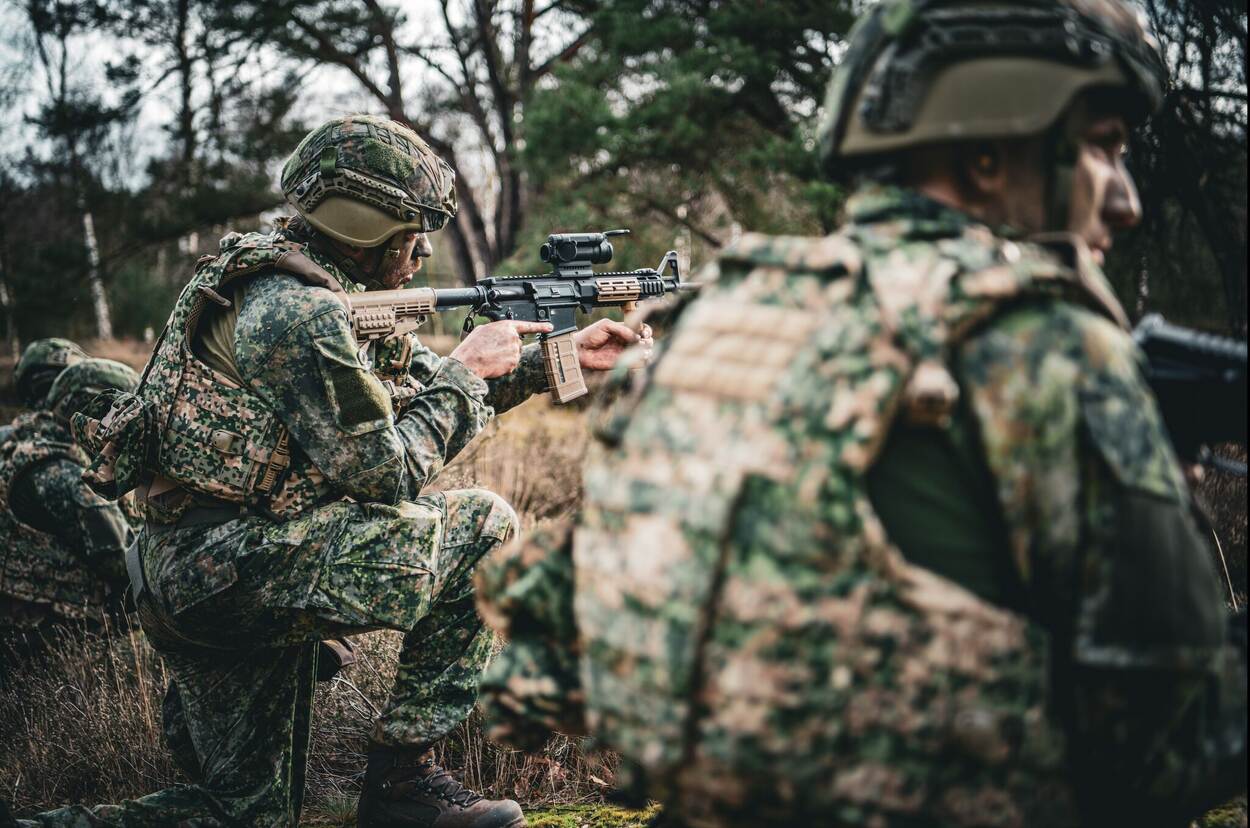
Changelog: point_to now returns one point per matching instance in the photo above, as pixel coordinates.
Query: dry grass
(83, 724)
(1224, 498)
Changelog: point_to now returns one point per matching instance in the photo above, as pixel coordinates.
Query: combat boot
(407, 791)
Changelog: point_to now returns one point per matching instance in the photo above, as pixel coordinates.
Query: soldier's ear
(983, 169)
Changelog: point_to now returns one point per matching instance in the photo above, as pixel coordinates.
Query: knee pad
(482, 513)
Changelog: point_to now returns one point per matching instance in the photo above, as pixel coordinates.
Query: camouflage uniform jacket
(63, 544)
(299, 420)
(746, 635)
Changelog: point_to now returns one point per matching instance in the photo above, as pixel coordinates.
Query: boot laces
(445, 786)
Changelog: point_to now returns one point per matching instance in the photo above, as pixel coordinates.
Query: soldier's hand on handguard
(494, 349)
(600, 345)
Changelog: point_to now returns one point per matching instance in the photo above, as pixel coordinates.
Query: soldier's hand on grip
(600, 345)
(494, 349)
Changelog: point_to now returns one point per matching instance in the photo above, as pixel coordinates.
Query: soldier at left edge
(62, 564)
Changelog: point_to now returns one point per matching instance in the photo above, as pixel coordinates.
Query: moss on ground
(1232, 815)
(589, 816)
(557, 816)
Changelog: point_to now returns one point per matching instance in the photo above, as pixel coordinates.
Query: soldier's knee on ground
(477, 514)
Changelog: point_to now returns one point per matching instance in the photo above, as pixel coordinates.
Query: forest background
(134, 135)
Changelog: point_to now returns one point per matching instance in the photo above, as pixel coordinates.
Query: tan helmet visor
(988, 98)
(353, 222)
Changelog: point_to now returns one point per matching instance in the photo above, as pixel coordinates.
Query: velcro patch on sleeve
(360, 401)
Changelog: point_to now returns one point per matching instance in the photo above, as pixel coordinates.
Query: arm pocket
(359, 400)
(1151, 596)
(1126, 430)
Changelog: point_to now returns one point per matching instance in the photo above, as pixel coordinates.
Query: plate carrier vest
(212, 437)
(36, 569)
(764, 479)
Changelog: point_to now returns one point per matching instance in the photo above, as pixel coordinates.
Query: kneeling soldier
(283, 496)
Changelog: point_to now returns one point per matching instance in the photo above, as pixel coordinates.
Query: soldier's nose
(1121, 207)
(423, 249)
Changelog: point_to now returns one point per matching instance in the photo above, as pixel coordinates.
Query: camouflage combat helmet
(79, 384)
(40, 364)
(362, 179)
(924, 71)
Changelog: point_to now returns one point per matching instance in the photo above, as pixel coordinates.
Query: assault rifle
(1199, 380)
(553, 297)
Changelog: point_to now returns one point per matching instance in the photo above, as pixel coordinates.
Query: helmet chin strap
(1061, 153)
(384, 258)
(298, 229)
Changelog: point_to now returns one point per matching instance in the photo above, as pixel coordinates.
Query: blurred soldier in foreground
(892, 533)
(62, 560)
(283, 495)
(40, 364)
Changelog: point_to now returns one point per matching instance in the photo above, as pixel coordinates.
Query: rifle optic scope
(566, 248)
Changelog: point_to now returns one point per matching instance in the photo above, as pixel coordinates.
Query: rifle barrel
(458, 297)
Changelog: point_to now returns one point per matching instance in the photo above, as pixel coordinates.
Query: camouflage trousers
(277, 589)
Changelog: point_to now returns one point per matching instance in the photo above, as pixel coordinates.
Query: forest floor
(83, 724)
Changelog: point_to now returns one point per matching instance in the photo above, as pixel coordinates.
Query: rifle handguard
(564, 371)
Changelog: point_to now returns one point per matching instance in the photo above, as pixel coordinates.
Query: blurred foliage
(696, 115)
(1187, 258)
(686, 121)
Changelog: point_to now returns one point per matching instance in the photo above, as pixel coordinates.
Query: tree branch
(494, 70)
(565, 55)
(386, 29)
(327, 51)
(670, 214)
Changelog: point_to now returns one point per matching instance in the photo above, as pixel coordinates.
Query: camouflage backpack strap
(242, 256)
(943, 292)
(663, 493)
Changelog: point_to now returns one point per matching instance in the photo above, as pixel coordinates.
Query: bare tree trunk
(12, 343)
(99, 300)
(186, 114)
(462, 251)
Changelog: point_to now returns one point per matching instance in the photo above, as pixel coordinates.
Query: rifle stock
(385, 313)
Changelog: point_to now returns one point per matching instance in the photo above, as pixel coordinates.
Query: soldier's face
(1103, 198)
(414, 247)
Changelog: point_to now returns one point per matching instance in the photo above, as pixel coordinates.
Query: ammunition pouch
(189, 432)
(122, 443)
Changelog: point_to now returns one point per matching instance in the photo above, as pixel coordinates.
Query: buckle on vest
(930, 396)
(224, 441)
(279, 459)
